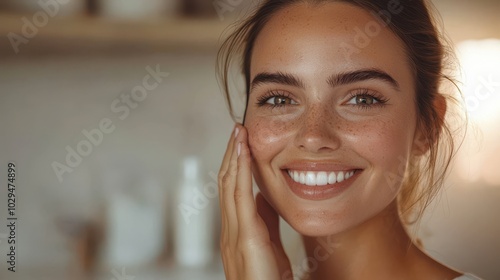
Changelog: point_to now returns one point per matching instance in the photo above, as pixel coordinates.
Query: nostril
(319, 146)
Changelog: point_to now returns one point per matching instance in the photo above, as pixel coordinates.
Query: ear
(421, 139)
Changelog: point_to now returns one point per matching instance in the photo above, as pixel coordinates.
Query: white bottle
(194, 228)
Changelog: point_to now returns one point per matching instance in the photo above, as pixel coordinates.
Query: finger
(271, 219)
(222, 175)
(229, 150)
(246, 209)
(228, 187)
(229, 266)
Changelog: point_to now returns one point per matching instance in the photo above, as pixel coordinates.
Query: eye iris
(281, 100)
(364, 99)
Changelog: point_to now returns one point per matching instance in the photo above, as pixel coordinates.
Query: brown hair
(426, 51)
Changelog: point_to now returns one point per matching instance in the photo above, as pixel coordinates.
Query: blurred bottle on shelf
(137, 9)
(194, 218)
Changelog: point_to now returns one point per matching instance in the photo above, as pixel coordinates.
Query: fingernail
(236, 131)
(239, 148)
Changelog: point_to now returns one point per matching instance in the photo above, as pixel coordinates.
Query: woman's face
(331, 96)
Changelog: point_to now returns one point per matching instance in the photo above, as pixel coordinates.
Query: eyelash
(381, 101)
(262, 101)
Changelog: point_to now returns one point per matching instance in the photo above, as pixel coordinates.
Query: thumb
(270, 217)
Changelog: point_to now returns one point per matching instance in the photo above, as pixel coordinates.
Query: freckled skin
(299, 110)
(321, 126)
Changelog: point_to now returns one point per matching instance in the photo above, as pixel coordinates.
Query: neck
(380, 248)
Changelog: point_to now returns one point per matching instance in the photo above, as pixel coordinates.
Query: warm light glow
(478, 160)
(480, 63)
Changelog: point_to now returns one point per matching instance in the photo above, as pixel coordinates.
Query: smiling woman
(342, 131)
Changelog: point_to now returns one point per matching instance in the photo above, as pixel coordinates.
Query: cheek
(386, 146)
(266, 137)
(383, 143)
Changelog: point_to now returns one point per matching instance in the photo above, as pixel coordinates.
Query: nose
(319, 130)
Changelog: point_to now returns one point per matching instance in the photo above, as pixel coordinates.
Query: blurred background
(112, 115)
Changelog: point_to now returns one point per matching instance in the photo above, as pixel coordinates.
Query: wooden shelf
(93, 34)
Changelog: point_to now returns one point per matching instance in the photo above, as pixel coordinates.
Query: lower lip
(319, 192)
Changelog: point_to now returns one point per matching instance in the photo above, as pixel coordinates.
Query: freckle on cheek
(262, 134)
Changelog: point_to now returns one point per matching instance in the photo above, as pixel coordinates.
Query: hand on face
(250, 241)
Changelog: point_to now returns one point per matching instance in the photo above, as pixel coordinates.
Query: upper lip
(318, 166)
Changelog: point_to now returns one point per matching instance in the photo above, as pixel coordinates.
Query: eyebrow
(334, 80)
(277, 78)
(362, 75)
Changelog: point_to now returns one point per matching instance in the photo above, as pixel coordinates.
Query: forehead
(335, 36)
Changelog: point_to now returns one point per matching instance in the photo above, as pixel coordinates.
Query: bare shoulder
(467, 276)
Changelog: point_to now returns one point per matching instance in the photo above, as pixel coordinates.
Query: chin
(313, 229)
(316, 223)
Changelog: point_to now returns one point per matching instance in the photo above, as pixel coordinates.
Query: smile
(320, 178)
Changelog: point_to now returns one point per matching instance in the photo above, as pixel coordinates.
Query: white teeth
(310, 178)
(302, 178)
(332, 179)
(321, 178)
(340, 177)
